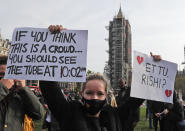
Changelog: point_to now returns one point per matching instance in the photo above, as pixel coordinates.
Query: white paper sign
(152, 80)
(36, 54)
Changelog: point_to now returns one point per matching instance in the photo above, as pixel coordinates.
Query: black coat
(169, 121)
(71, 116)
(155, 106)
(133, 114)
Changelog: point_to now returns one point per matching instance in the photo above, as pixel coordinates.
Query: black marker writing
(19, 48)
(39, 36)
(153, 81)
(15, 58)
(20, 34)
(63, 37)
(14, 69)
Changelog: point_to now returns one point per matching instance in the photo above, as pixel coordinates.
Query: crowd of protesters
(95, 109)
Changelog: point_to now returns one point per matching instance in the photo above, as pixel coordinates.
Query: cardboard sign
(152, 80)
(36, 54)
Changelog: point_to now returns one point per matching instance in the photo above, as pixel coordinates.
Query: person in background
(149, 113)
(122, 95)
(170, 115)
(155, 107)
(16, 100)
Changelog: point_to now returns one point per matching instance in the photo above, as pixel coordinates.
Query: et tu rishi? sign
(36, 54)
(152, 80)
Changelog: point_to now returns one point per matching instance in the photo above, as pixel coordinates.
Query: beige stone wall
(4, 46)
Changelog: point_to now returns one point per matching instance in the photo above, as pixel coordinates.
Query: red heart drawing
(140, 59)
(168, 93)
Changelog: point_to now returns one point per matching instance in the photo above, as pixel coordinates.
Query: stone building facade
(4, 46)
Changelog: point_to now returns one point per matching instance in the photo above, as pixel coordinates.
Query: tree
(179, 83)
(89, 72)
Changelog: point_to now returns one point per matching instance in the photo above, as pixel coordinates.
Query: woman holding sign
(92, 113)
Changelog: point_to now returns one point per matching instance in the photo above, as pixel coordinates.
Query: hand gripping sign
(152, 80)
(36, 54)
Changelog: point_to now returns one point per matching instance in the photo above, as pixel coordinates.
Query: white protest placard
(152, 80)
(36, 54)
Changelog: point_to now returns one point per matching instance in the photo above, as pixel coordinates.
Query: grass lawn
(141, 126)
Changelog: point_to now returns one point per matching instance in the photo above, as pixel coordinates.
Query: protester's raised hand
(55, 28)
(7, 82)
(156, 57)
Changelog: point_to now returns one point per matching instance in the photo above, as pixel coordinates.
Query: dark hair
(120, 82)
(3, 60)
(95, 76)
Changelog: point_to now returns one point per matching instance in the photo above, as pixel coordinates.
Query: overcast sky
(157, 26)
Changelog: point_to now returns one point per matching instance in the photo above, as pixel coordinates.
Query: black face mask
(93, 106)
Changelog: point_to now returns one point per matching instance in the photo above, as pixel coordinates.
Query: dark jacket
(133, 114)
(71, 116)
(52, 125)
(122, 96)
(155, 106)
(14, 105)
(169, 121)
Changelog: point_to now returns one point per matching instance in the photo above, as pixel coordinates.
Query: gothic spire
(120, 14)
